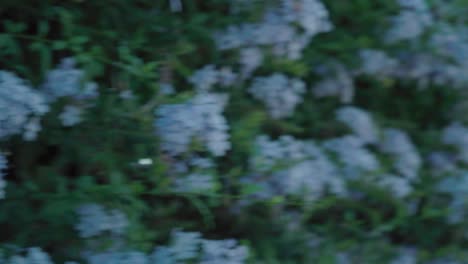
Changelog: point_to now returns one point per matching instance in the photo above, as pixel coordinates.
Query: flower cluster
(302, 169)
(205, 78)
(277, 29)
(20, 107)
(95, 220)
(71, 115)
(337, 81)
(67, 81)
(456, 135)
(414, 18)
(185, 247)
(398, 144)
(360, 122)
(279, 93)
(3, 167)
(351, 152)
(200, 118)
(457, 187)
(33, 255)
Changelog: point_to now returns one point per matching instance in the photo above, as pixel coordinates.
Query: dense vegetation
(233, 131)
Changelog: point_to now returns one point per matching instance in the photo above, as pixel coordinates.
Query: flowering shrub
(216, 131)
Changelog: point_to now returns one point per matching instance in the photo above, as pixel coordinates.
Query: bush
(215, 131)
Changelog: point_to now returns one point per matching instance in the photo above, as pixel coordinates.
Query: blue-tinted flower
(3, 167)
(94, 220)
(279, 94)
(200, 118)
(397, 143)
(66, 80)
(71, 115)
(359, 121)
(20, 107)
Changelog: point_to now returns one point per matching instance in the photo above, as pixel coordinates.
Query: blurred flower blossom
(351, 152)
(279, 93)
(71, 115)
(337, 82)
(397, 143)
(66, 80)
(412, 21)
(359, 121)
(20, 107)
(3, 167)
(200, 118)
(94, 220)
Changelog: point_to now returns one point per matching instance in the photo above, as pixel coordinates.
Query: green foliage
(133, 45)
